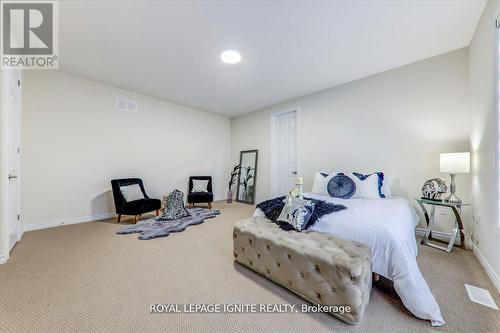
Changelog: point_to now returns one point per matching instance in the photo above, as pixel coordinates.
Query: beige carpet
(86, 278)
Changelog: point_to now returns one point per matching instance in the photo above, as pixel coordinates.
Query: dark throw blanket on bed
(272, 209)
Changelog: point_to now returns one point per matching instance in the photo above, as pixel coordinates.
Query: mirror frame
(254, 178)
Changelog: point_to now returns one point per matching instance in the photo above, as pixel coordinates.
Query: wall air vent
(126, 105)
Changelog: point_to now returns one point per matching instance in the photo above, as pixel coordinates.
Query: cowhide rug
(153, 228)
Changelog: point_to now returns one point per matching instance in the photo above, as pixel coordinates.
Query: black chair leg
(119, 218)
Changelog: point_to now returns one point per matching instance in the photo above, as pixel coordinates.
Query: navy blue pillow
(380, 180)
(341, 186)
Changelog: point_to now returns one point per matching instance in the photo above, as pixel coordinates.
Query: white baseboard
(67, 221)
(71, 220)
(487, 267)
(3, 259)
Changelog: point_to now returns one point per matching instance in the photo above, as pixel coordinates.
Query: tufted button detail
(306, 273)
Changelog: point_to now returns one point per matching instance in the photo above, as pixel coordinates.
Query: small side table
(458, 226)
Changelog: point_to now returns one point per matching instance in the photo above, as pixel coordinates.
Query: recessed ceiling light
(230, 57)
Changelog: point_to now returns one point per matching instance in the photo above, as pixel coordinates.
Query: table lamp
(454, 163)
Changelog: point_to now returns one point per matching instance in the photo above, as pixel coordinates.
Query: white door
(13, 161)
(284, 153)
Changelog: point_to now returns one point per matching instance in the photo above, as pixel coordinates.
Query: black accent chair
(136, 207)
(200, 197)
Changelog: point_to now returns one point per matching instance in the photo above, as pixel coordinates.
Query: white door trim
(4, 169)
(19, 231)
(5, 145)
(273, 145)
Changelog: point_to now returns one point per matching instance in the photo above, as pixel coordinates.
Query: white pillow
(387, 185)
(132, 192)
(200, 185)
(319, 184)
(367, 188)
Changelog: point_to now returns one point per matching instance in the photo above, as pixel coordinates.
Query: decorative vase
(229, 196)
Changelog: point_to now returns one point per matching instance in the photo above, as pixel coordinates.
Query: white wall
(483, 138)
(74, 142)
(397, 121)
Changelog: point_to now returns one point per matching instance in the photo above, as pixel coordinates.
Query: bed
(387, 226)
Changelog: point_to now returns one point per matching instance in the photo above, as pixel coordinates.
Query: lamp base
(452, 198)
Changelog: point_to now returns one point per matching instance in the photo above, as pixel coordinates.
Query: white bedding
(388, 227)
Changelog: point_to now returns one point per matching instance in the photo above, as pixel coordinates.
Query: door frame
(4, 169)
(274, 186)
(5, 145)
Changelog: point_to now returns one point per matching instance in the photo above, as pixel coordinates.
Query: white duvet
(387, 226)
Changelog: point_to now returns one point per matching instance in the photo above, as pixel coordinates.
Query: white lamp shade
(454, 162)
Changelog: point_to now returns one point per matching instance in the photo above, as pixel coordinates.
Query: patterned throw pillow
(296, 212)
(200, 185)
(341, 186)
(175, 207)
(348, 186)
(380, 177)
(367, 188)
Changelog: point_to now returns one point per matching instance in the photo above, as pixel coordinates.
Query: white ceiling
(170, 50)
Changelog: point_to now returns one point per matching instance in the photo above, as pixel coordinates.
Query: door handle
(11, 177)
(294, 172)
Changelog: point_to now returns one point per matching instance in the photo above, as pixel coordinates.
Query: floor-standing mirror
(248, 177)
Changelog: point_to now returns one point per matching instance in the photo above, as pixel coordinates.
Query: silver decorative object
(434, 188)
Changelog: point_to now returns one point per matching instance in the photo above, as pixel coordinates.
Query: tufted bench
(320, 268)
